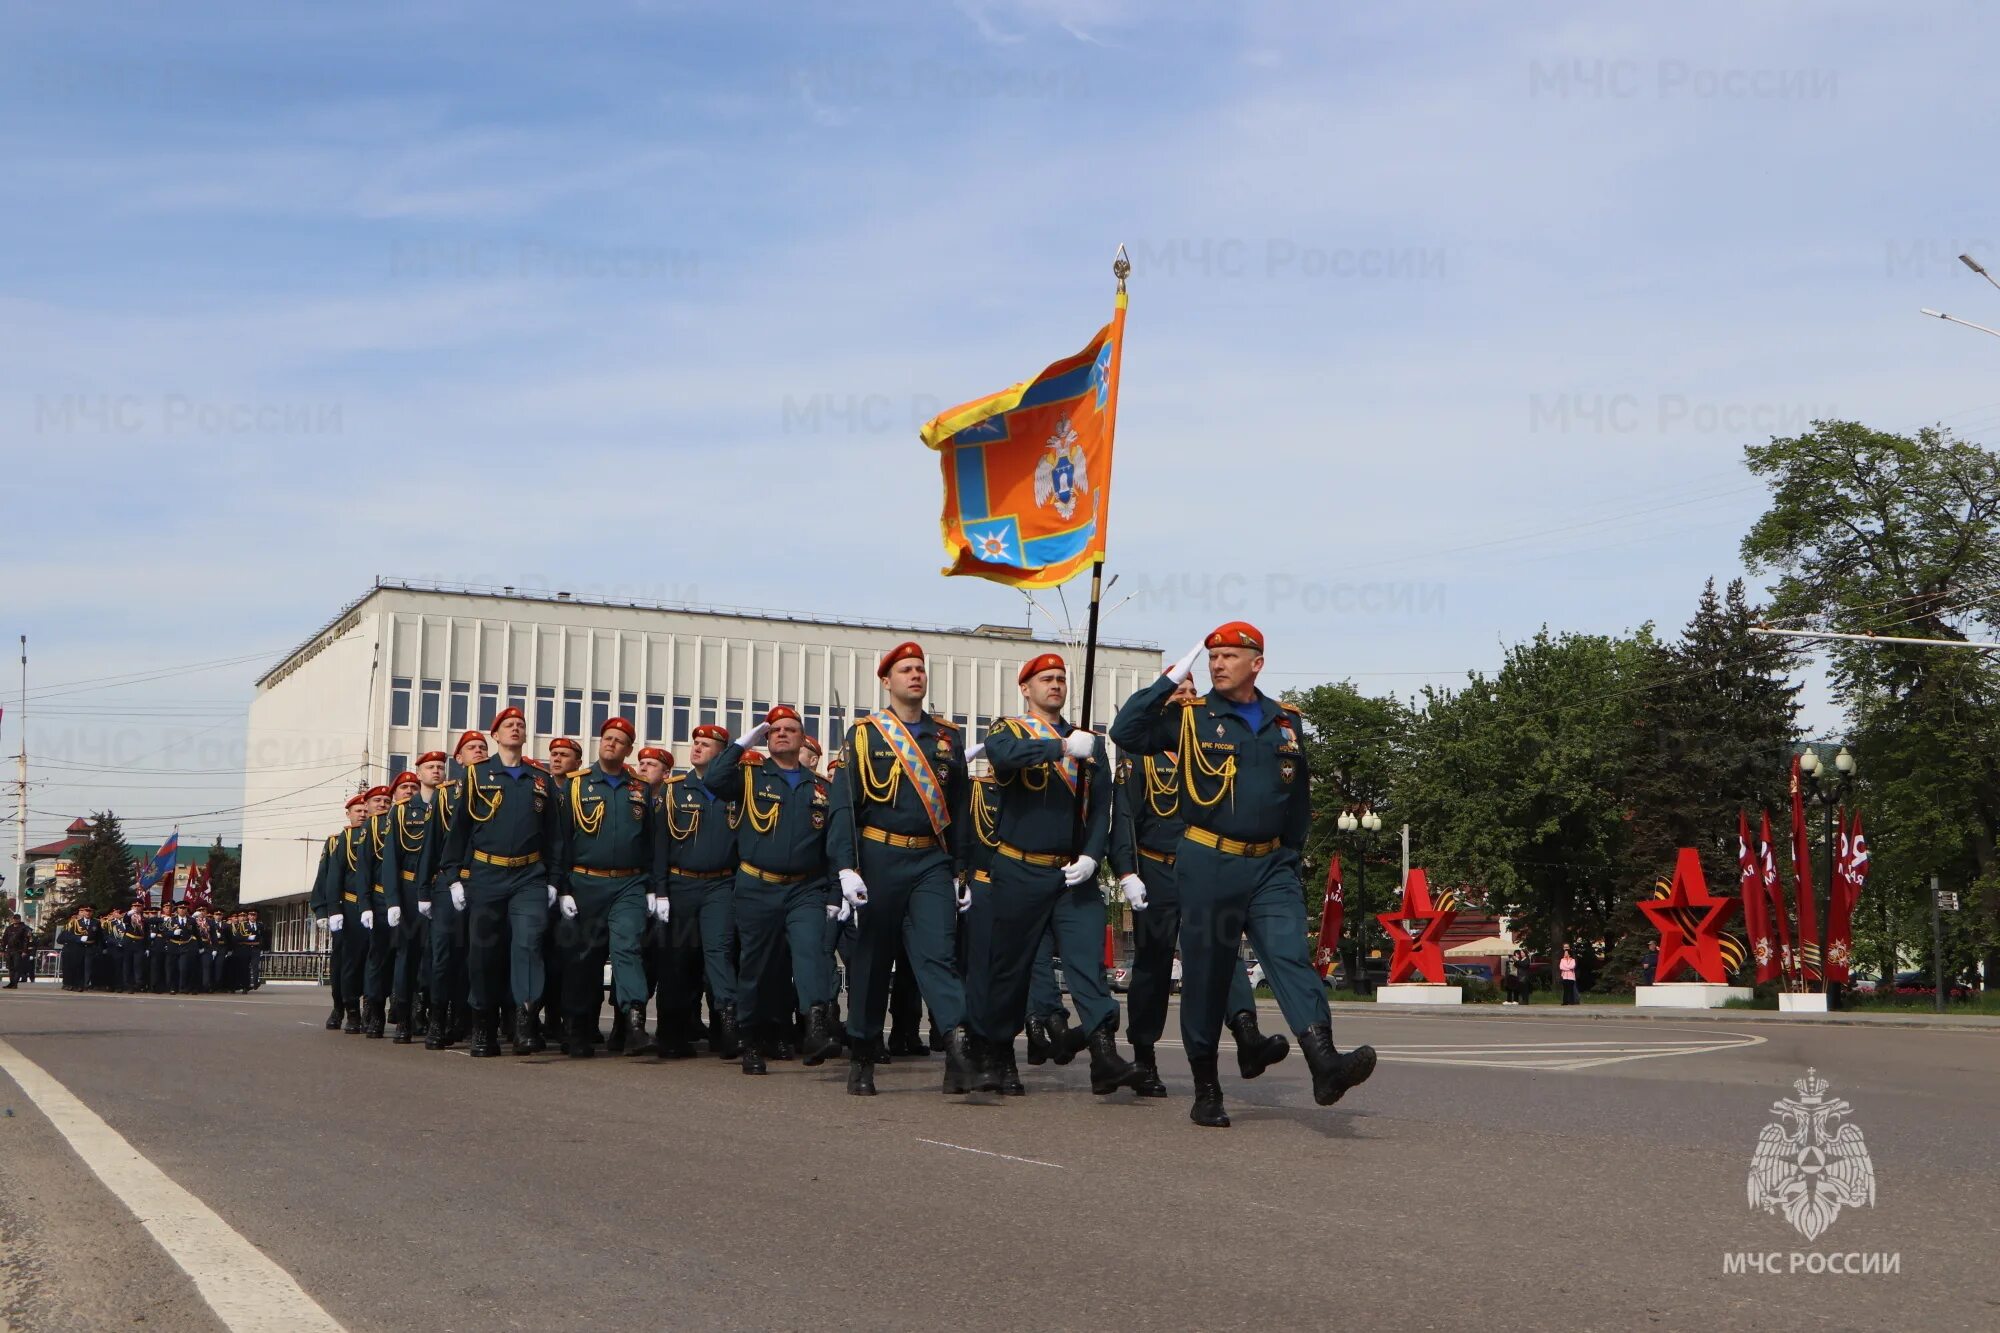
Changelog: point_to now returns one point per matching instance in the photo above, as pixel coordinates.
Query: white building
(406, 668)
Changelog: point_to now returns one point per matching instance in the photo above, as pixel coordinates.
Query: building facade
(406, 668)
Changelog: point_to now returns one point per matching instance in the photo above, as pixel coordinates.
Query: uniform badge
(818, 816)
(1288, 770)
(1218, 729)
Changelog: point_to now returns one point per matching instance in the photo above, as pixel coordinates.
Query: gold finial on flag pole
(1121, 265)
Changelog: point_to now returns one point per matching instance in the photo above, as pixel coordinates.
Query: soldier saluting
(1246, 796)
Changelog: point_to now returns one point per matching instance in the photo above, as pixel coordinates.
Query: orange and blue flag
(1027, 471)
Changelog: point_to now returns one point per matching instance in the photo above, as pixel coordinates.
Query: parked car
(1121, 978)
(1468, 971)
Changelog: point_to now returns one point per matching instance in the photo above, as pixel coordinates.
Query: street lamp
(1830, 787)
(1362, 825)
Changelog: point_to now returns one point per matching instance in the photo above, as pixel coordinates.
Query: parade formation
(480, 897)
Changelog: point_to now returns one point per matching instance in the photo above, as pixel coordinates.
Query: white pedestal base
(1411, 992)
(1688, 995)
(1792, 1003)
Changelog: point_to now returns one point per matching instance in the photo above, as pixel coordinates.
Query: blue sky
(1447, 320)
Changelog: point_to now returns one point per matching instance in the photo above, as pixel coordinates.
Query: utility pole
(1937, 947)
(34, 908)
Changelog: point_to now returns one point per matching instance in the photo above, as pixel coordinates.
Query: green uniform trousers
(610, 920)
(1010, 917)
(782, 928)
(1223, 898)
(1155, 931)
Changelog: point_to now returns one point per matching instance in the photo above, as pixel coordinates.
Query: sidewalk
(1873, 1019)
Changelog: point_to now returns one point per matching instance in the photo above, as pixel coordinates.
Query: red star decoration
(1424, 951)
(1690, 923)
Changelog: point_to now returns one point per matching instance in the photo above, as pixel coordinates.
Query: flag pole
(1121, 267)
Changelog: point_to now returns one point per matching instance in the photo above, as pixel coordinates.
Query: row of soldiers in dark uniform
(500, 893)
(168, 950)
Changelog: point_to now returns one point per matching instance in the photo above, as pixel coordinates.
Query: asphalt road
(1532, 1171)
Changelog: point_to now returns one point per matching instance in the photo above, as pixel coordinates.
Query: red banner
(1756, 904)
(1850, 869)
(1802, 869)
(1331, 909)
(1774, 897)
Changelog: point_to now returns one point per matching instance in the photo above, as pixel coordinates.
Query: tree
(1870, 531)
(225, 878)
(106, 865)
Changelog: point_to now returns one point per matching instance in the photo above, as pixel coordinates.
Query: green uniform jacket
(854, 808)
(696, 833)
(1037, 808)
(1144, 787)
(793, 840)
(324, 900)
(1235, 782)
(604, 822)
(502, 814)
(414, 823)
(384, 874)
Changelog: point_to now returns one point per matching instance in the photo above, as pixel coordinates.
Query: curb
(1981, 1023)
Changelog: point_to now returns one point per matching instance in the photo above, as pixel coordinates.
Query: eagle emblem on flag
(1064, 472)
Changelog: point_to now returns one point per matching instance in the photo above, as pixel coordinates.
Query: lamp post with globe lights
(1832, 781)
(1361, 825)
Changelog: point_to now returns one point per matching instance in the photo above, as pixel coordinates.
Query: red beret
(655, 752)
(431, 757)
(618, 724)
(373, 792)
(897, 654)
(713, 732)
(465, 736)
(504, 714)
(355, 800)
(1036, 665)
(565, 743)
(781, 712)
(406, 778)
(811, 742)
(1236, 634)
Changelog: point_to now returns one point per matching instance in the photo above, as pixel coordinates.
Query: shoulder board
(752, 758)
(1201, 699)
(672, 778)
(944, 723)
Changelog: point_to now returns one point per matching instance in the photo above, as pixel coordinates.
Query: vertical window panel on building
(489, 702)
(815, 720)
(759, 710)
(545, 710)
(461, 705)
(628, 708)
(683, 719)
(399, 701)
(600, 710)
(397, 763)
(428, 714)
(737, 726)
(517, 697)
(656, 717)
(709, 712)
(572, 712)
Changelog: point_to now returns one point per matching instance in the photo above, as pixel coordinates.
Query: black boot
(374, 1010)
(784, 1048)
(820, 1042)
(728, 1039)
(577, 1044)
(938, 1040)
(906, 1043)
(554, 1028)
(1207, 1109)
(636, 1040)
(1064, 1041)
(403, 1025)
(457, 1022)
(395, 1012)
(1038, 1041)
(352, 1027)
(1109, 1071)
(671, 1041)
(434, 1035)
(861, 1068)
(619, 1031)
(422, 1019)
(1334, 1073)
(334, 1019)
(509, 1028)
(1255, 1052)
(1010, 1074)
(965, 1063)
(753, 1053)
(1148, 1084)
(527, 1032)
(486, 1034)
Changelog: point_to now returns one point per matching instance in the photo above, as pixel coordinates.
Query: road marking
(1006, 1157)
(1553, 1056)
(248, 1292)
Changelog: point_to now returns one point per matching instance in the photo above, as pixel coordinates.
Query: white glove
(569, 907)
(652, 903)
(1079, 870)
(964, 894)
(976, 752)
(395, 917)
(1134, 890)
(754, 736)
(852, 888)
(334, 923)
(424, 910)
(458, 896)
(552, 895)
(368, 919)
(661, 908)
(1080, 744)
(320, 922)
(1184, 668)
(843, 912)
(833, 909)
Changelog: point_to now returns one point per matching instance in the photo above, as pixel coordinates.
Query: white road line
(1006, 1157)
(248, 1292)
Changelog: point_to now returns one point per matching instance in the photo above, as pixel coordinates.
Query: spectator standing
(1567, 969)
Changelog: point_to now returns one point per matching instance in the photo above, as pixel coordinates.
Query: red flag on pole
(1774, 898)
(1110, 946)
(1809, 960)
(1756, 905)
(1850, 869)
(1331, 909)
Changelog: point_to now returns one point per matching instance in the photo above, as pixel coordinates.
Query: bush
(1478, 990)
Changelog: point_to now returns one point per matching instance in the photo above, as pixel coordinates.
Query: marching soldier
(183, 958)
(70, 939)
(253, 945)
(379, 884)
(780, 891)
(605, 873)
(897, 839)
(1039, 875)
(413, 804)
(1245, 794)
(565, 758)
(325, 906)
(697, 850)
(448, 926)
(156, 952)
(16, 946)
(502, 839)
(1145, 840)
